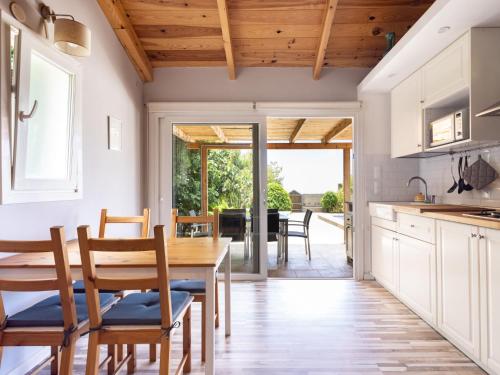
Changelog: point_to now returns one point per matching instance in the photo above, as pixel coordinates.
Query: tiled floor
(327, 261)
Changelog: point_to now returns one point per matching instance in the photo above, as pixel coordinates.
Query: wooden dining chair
(138, 318)
(197, 287)
(57, 321)
(144, 220)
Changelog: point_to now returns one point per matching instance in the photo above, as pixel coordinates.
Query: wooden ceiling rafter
(298, 128)
(220, 134)
(337, 129)
(226, 37)
(124, 30)
(182, 135)
(325, 37)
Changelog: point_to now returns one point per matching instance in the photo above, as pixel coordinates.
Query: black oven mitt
(480, 174)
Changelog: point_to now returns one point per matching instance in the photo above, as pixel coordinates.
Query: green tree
(274, 173)
(277, 197)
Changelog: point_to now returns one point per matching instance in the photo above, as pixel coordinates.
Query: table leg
(210, 321)
(286, 241)
(227, 293)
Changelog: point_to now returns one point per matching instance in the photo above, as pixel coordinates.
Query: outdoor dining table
(188, 258)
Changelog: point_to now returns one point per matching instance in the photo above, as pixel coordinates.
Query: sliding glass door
(215, 167)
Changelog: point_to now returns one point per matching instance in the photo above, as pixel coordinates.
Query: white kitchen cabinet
(448, 73)
(458, 285)
(406, 117)
(385, 258)
(489, 253)
(417, 277)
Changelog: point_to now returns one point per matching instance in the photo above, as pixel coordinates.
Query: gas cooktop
(485, 214)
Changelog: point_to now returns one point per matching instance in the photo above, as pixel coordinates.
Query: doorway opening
(215, 171)
(310, 184)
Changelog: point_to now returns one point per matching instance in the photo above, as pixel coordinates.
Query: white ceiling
(423, 41)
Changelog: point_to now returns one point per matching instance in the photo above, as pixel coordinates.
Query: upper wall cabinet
(40, 122)
(464, 76)
(406, 117)
(448, 73)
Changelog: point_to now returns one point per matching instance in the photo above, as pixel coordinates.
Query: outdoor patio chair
(233, 223)
(304, 233)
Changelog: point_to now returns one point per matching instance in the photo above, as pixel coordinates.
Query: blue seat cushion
(79, 287)
(143, 309)
(190, 286)
(48, 313)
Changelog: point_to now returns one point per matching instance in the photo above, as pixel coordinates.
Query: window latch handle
(23, 116)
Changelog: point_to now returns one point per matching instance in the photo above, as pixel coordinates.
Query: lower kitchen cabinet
(417, 276)
(458, 285)
(489, 253)
(385, 258)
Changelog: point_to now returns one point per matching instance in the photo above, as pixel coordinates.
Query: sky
(309, 171)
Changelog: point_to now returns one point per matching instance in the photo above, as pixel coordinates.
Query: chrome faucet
(428, 199)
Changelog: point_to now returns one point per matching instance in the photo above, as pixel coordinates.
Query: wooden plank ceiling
(279, 130)
(257, 33)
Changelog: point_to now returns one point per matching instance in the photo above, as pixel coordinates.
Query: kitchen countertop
(447, 212)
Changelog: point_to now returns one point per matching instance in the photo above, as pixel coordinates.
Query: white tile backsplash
(437, 172)
(386, 178)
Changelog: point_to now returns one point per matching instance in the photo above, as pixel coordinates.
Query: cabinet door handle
(412, 225)
(481, 237)
(474, 235)
(419, 145)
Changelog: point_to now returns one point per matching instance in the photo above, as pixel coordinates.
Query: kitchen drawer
(421, 228)
(382, 223)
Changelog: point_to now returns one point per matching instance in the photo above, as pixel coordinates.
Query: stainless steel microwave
(450, 128)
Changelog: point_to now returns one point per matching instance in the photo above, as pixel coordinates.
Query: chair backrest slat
(26, 246)
(210, 219)
(34, 285)
(62, 282)
(144, 220)
(94, 282)
(117, 245)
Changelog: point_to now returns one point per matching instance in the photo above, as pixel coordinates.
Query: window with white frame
(42, 131)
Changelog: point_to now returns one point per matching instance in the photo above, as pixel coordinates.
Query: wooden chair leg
(203, 330)
(165, 355)
(119, 352)
(93, 354)
(186, 340)
(56, 362)
(132, 359)
(217, 321)
(112, 352)
(152, 353)
(67, 357)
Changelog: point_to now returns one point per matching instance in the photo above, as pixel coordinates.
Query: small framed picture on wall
(114, 134)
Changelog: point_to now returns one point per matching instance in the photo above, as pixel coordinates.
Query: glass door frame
(160, 164)
(162, 116)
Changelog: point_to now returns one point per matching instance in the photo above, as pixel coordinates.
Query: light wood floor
(319, 327)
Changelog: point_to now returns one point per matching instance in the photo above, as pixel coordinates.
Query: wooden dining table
(188, 258)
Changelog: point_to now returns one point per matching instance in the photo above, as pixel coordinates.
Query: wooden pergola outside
(282, 134)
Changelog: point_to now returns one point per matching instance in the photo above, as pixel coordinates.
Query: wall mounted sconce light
(70, 36)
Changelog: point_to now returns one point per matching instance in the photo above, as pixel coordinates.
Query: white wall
(384, 178)
(111, 179)
(253, 84)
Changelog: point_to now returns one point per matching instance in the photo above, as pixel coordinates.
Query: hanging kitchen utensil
(480, 174)
(455, 184)
(467, 186)
(461, 182)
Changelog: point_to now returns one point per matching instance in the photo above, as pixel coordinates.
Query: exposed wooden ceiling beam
(326, 29)
(220, 133)
(271, 146)
(114, 12)
(179, 133)
(342, 124)
(298, 129)
(226, 37)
